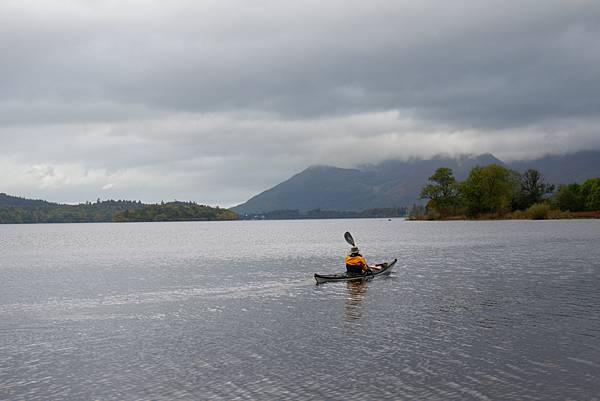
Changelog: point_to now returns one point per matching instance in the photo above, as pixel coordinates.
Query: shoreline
(519, 215)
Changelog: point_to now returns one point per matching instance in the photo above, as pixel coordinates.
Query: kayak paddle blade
(349, 238)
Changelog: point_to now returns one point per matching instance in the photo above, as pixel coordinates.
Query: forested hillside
(15, 210)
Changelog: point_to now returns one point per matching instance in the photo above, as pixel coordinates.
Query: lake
(230, 310)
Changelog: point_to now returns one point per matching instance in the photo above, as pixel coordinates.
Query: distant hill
(396, 183)
(15, 210)
(8, 200)
(563, 169)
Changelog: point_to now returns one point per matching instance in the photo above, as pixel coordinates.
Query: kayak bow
(386, 268)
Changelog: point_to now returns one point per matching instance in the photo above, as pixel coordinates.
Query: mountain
(394, 183)
(389, 184)
(563, 169)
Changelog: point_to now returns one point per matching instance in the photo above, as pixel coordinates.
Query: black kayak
(385, 268)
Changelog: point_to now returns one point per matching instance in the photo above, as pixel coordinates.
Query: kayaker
(356, 263)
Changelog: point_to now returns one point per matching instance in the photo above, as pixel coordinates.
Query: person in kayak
(356, 263)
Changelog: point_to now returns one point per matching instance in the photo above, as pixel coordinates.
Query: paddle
(349, 238)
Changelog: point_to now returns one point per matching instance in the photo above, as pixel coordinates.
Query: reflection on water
(356, 294)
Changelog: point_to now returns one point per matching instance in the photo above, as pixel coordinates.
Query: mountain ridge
(393, 183)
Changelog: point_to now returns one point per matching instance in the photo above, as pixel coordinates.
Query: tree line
(496, 191)
(20, 210)
(16, 210)
(175, 211)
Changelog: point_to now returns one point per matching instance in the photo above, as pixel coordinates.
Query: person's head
(354, 250)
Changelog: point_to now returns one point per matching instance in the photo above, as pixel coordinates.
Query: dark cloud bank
(217, 100)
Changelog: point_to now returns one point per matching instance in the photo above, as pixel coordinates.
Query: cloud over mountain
(217, 100)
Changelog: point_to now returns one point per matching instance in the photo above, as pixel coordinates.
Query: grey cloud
(224, 159)
(475, 63)
(215, 101)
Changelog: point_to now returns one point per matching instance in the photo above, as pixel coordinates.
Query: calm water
(167, 311)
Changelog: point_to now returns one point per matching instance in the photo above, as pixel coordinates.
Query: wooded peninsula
(495, 192)
(15, 210)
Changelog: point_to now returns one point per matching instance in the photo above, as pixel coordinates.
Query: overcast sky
(215, 101)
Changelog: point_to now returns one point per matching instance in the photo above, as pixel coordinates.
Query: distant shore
(518, 215)
(17, 210)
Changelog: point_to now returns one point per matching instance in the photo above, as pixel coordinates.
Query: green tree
(532, 189)
(568, 197)
(489, 189)
(590, 193)
(442, 192)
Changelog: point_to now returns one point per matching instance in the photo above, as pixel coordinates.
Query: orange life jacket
(357, 260)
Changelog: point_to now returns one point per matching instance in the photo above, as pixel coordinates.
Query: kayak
(385, 269)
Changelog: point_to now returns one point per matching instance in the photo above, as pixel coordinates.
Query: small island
(175, 211)
(495, 192)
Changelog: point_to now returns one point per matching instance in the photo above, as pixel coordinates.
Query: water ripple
(481, 311)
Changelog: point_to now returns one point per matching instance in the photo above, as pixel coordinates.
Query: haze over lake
(229, 310)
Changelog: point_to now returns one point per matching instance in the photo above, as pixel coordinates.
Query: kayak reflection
(356, 294)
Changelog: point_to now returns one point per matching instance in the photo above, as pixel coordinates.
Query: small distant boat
(384, 269)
